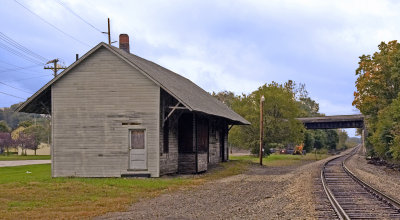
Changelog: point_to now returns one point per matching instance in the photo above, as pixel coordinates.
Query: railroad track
(351, 197)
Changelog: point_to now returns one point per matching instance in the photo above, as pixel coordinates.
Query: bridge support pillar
(364, 136)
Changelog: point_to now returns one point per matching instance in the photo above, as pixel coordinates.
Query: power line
(19, 54)
(22, 70)
(1, 61)
(55, 27)
(19, 68)
(72, 12)
(12, 95)
(21, 47)
(22, 79)
(16, 88)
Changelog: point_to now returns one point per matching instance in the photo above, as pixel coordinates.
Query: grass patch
(36, 195)
(28, 157)
(276, 160)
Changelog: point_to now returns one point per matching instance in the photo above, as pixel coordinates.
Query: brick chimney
(124, 42)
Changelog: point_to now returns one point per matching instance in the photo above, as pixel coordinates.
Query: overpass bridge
(336, 121)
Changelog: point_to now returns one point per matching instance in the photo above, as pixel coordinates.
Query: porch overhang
(38, 103)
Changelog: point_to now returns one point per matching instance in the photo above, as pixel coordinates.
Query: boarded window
(166, 137)
(222, 145)
(186, 134)
(202, 134)
(137, 139)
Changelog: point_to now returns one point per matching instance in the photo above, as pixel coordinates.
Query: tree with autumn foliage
(6, 142)
(27, 141)
(378, 81)
(377, 86)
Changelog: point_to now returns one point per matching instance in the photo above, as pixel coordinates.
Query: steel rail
(335, 204)
(380, 195)
(340, 212)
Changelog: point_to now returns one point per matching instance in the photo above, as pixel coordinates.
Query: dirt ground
(260, 193)
(290, 192)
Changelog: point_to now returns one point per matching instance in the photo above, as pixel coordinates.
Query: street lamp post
(261, 127)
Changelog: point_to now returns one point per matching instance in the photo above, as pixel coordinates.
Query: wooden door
(202, 137)
(137, 150)
(222, 145)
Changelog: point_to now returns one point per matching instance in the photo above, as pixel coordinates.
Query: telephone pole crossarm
(55, 67)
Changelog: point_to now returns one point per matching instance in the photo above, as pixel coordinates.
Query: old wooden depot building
(116, 114)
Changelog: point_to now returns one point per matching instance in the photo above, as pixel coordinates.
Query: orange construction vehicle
(298, 149)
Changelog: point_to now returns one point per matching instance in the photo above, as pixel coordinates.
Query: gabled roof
(185, 91)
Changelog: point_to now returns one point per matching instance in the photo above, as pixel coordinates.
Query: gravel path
(13, 163)
(260, 193)
(384, 179)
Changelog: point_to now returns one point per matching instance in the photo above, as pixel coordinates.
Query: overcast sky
(219, 45)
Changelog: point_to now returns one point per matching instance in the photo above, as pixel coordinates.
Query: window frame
(144, 137)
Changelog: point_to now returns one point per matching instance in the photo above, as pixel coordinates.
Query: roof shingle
(187, 92)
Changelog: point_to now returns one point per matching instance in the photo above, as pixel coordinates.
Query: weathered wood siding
(214, 147)
(217, 126)
(202, 164)
(187, 163)
(169, 160)
(94, 106)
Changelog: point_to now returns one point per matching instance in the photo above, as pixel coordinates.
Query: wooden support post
(195, 141)
(261, 127)
(172, 111)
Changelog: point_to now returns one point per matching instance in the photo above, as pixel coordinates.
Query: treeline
(12, 118)
(283, 104)
(377, 97)
(22, 130)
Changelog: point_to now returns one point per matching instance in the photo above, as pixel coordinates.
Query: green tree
(386, 138)
(309, 141)
(280, 111)
(308, 107)
(378, 81)
(332, 139)
(320, 139)
(343, 136)
(38, 133)
(226, 97)
(25, 124)
(378, 85)
(14, 118)
(4, 127)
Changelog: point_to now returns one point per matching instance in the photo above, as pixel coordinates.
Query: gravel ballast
(380, 177)
(260, 193)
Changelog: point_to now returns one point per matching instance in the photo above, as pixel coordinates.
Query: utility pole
(109, 33)
(55, 68)
(261, 127)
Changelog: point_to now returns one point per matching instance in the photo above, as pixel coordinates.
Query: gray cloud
(221, 45)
